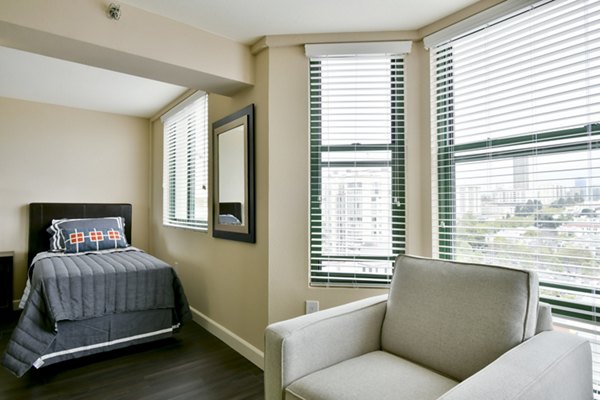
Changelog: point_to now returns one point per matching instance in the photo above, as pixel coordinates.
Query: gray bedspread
(70, 288)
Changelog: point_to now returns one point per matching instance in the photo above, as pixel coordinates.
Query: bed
(83, 302)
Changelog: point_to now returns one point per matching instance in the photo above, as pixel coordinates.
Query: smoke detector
(114, 11)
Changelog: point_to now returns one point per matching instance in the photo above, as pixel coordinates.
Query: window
(357, 166)
(185, 165)
(517, 137)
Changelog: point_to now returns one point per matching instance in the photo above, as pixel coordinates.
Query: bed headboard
(42, 214)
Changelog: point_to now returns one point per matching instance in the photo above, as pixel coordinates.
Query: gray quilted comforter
(87, 286)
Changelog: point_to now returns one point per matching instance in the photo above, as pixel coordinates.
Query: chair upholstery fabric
(549, 366)
(544, 318)
(456, 318)
(298, 346)
(376, 375)
(447, 331)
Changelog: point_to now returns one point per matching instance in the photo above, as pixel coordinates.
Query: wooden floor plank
(193, 364)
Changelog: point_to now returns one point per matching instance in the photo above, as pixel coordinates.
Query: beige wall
(244, 286)
(289, 285)
(225, 281)
(418, 152)
(58, 154)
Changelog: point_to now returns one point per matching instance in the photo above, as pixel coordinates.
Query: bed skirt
(81, 338)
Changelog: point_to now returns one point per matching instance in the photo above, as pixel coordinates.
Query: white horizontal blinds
(357, 168)
(517, 114)
(477, 21)
(186, 165)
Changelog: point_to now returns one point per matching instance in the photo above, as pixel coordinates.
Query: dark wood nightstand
(6, 284)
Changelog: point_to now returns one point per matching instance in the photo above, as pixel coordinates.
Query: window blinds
(185, 169)
(516, 107)
(357, 168)
(476, 21)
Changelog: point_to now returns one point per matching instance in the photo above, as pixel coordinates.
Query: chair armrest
(544, 318)
(299, 346)
(549, 366)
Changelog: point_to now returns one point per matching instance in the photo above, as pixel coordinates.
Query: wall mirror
(233, 180)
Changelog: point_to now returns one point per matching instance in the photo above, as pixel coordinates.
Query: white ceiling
(43, 79)
(245, 21)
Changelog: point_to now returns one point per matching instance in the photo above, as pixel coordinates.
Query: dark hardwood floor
(192, 365)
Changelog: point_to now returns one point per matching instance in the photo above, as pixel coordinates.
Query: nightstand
(6, 284)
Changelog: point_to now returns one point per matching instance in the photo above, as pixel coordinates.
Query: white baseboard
(247, 350)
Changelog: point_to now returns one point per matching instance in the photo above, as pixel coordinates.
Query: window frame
(573, 300)
(446, 176)
(397, 164)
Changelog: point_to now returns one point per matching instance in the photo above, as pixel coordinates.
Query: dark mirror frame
(245, 232)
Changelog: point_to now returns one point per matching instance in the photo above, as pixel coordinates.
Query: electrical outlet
(312, 306)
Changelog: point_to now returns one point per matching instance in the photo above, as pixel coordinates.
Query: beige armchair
(447, 331)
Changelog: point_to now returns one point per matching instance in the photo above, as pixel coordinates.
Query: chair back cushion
(456, 318)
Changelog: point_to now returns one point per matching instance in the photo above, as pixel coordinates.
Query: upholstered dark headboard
(42, 214)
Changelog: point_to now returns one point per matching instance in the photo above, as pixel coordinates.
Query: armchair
(446, 331)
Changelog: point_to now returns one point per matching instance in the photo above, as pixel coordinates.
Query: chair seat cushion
(376, 375)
